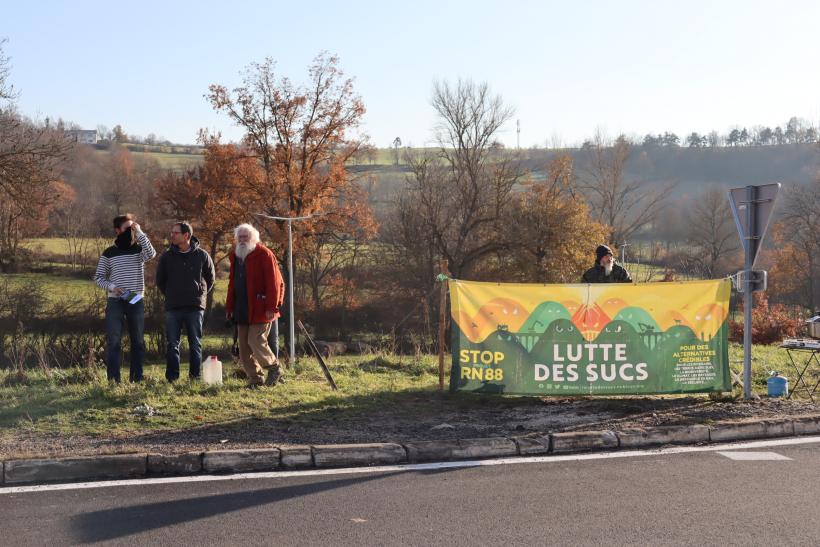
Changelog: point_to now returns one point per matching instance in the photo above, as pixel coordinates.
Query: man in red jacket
(256, 291)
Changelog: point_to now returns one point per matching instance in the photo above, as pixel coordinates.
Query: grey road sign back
(761, 200)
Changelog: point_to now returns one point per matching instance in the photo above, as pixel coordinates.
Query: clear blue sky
(567, 68)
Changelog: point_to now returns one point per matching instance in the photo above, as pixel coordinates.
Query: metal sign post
(752, 207)
(291, 323)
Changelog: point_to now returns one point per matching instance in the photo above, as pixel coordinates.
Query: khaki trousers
(254, 351)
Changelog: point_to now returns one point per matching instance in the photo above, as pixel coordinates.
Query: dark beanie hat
(601, 252)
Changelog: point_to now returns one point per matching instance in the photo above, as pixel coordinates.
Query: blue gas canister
(778, 385)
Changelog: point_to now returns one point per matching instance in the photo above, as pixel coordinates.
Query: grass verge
(67, 402)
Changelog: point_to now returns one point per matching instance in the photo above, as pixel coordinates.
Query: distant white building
(83, 136)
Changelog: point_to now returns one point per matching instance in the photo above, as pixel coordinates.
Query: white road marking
(416, 467)
(754, 456)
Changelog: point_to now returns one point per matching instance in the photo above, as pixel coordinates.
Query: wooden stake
(318, 356)
(442, 320)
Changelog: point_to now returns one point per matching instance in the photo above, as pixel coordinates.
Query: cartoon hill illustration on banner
(587, 339)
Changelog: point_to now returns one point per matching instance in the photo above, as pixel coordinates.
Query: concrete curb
(352, 455)
(426, 451)
(343, 455)
(233, 461)
(177, 464)
(807, 426)
(743, 431)
(67, 469)
(653, 436)
(533, 446)
(295, 457)
(583, 441)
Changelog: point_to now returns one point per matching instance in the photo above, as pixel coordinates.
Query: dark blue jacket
(185, 278)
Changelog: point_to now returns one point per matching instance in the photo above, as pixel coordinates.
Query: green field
(175, 162)
(383, 161)
(62, 289)
(59, 245)
(57, 289)
(182, 161)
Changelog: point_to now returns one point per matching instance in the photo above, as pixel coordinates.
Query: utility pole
(291, 322)
(518, 134)
(623, 252)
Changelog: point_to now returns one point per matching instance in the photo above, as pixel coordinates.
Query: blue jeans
(192, 319)
(117, 312)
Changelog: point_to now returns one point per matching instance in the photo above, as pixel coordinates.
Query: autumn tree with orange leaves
(301, 138)
(553, 231)
(299, 134)
(210, 196)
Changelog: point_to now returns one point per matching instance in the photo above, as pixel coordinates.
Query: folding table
(810, 365)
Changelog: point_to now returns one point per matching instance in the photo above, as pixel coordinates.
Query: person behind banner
(185, 275)
(256, 291)
(121, 272)
(605, 269)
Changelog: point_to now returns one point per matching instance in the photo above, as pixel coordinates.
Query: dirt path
(418, 418)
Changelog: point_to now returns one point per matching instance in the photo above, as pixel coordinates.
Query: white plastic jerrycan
(212, 370)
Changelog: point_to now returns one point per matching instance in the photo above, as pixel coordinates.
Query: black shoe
(274, 376)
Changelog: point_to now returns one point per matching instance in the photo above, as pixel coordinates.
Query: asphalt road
(699, 498)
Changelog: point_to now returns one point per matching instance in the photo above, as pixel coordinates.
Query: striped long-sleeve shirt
(124, 269)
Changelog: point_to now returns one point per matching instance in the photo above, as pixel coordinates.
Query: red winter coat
(266, 288)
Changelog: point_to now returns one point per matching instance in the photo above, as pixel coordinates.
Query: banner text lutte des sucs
(611, 339)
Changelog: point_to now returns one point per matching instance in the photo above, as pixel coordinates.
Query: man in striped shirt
(121, 272)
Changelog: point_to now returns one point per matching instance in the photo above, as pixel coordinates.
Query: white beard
(242, 250)
(608, 268)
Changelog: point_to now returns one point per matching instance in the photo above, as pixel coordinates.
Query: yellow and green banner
(603, 339)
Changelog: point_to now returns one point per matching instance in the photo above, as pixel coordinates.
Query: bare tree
(7, 92)
(616, 199)
(462, 191)
(712, 233)
(119, 179)
(31, 157)
(396, 146)
(802, 220)
(74, 223)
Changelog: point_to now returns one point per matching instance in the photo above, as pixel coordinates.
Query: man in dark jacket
(605, 270)
(185, 275)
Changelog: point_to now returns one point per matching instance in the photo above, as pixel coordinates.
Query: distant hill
(691, 168)
(175, 157)
(694, 168)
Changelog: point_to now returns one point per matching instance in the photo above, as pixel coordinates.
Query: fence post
(442, 319)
